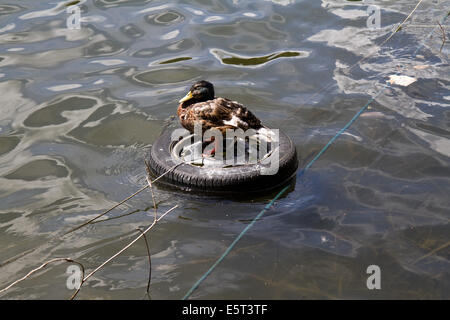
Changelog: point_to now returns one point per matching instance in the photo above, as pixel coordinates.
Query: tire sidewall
(242, 178)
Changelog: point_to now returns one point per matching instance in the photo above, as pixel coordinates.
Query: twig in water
(147, 167)
(121, 202)
(2, 264)
(20, 255)
(149, 181)
(99, 267)
(41, 267)
(124, 248)
(90, 221)
(443, 36)
(149, 260)
(121, 215)
(110, 209)
(445, 245)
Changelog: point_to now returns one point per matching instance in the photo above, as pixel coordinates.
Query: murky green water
(79, 109)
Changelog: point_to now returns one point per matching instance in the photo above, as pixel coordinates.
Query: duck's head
(199, 92)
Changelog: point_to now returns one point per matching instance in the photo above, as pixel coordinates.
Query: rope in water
(301, 173)
(269, 205)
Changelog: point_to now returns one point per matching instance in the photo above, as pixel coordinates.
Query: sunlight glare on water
(79, 109)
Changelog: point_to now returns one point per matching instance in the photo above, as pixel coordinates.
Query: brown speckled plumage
(212, 112)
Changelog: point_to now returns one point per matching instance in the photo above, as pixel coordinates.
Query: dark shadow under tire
(237, 179)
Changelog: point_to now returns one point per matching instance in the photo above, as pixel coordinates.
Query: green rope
(233, 243)
(269, 205)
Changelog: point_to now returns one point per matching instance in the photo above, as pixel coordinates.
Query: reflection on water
(80, 109)
(228, 58)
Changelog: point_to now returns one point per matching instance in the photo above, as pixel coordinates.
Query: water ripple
(253, 62)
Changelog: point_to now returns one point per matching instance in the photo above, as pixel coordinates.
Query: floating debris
(401, 80)
(421, 67)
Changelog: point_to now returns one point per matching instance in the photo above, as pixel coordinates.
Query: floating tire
(228, 179)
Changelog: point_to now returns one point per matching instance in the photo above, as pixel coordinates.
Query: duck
(201, 105)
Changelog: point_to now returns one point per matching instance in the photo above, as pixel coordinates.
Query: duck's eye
(202, 91)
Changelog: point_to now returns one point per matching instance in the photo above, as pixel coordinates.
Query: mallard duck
(201, 105)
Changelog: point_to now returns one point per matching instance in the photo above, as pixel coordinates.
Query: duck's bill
(187, 97)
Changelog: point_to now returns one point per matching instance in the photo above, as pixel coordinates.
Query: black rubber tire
(238, 179)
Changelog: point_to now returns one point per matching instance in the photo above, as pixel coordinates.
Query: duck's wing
(221, 112)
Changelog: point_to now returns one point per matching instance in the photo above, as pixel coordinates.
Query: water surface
(80, 108)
